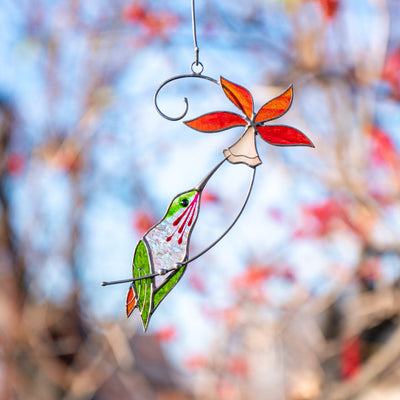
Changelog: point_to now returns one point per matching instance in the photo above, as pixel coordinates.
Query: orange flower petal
(217, 121)
(284, 136)
(239, 96)
(276, 107)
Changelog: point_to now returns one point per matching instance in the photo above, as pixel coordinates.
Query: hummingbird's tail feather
(131, 302)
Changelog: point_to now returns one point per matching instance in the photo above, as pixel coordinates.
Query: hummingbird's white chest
(166, 253)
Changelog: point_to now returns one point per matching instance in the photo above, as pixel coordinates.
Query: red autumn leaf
(383, 150)
(329, 7)
(143, 221)
(197, 283)
(15, 164)
(287, 274)
(350, 358)
(391, 71)
(134, 12)
(283, 135)
(215, 122)
(322, 218)
(209, 197)
(166, 334)
(160, 24)
(276, 107)
(153, 23)
(251, 282)
(325, 210)
(237, 366)
(239, 96)
(195, 362)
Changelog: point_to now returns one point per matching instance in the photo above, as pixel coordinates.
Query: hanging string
(196, 47)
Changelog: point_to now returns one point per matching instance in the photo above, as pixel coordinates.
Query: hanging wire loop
(192, 75)
(196, 68)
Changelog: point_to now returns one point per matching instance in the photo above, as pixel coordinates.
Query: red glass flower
(244, 150)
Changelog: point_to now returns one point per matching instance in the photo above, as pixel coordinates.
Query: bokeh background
(299, 301)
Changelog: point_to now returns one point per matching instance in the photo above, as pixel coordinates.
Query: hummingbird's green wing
(143, 288)
(147, 296)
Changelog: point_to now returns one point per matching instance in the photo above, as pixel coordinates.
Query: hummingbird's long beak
(203, 183)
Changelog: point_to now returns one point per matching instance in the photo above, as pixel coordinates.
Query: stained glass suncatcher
(162, 255)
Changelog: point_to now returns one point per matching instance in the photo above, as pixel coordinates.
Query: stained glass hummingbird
(160, 257)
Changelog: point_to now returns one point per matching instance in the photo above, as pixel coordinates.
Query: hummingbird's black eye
(184, 202)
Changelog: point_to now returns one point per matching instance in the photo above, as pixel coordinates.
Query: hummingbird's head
(182, 215)
(182, 202)
(190, 198)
